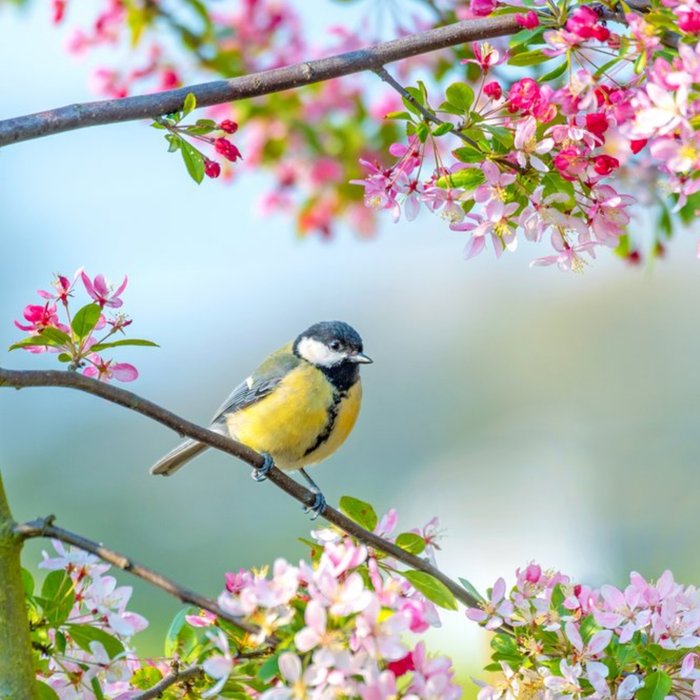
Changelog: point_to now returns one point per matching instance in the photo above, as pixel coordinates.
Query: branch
(73, 380)
(45, 528)
(176, 676)
(78, 116)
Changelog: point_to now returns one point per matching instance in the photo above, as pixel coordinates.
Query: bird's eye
(335, 345)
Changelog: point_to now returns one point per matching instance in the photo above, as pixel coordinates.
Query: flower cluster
(345, 624)
(81, 628)
(342, 623)
(82, 335)
(557, 638)
(180, 137)
(535, 159)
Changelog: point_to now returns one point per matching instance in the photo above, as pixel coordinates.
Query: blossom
(494, 612)
(218, 666)
(528, 147)
(493, 193)
(568, 257)
(104, 370)
(101, 291)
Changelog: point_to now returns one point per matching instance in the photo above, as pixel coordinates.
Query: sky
(541, 415)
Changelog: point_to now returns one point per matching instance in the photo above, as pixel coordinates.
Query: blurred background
(541, 415)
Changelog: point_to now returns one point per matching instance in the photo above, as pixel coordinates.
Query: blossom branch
(44, 527)
(19, 379)
(427, 114)
(176, 676)
(78, 116)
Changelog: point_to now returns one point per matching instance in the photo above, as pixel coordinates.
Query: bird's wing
(261, 383)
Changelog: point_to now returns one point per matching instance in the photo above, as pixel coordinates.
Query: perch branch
(72, 380)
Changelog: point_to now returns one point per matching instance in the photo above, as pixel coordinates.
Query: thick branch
(16, 663)
(177, 676)
(73, 380)
(78, 116)
(45, 528)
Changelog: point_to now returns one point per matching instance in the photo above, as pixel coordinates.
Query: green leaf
(145, 677)
(443, 128)
(194, 161)
(125, 341)
(174, 142)
(529, 58)
(97, 689)
(269, 669)
(190, 103)
(85, 320)
(468, 154)
(656, 686)
(556, 184)
(434, 590)
(466, 178)
(422, 131)
(82, 635)
(181, 639)
(57, 597)
(460, 96)
(554, 73)
(31, 342)
(45, 692)
(64, 357)
(468, 586)
(48, 337)
(397, 115)
(411, 542)
(359, 511)
(27, 582)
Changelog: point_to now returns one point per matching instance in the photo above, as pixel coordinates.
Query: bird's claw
(316, 508)
(260, 474)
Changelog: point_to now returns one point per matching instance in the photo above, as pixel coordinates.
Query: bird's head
(329, 344)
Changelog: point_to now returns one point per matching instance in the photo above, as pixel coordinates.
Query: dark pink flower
(63, 287)
(482, 8)
(530, 20)
(402, 666)
(102, 293)
(689, 21)
(493, 90)
(523, 94)
(605, 164)
(39, 317)
(227, 149)
(570, 162)
(211, 168)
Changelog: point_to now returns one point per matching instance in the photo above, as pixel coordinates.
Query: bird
(296, 409)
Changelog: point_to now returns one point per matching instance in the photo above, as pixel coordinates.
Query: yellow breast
(303, 421)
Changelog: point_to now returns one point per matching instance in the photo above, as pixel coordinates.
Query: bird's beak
(361, 358)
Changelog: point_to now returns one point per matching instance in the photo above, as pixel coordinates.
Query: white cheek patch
(315, 352)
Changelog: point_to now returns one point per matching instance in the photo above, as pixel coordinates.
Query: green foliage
(85, 320)
(434, 590)
(359, 511)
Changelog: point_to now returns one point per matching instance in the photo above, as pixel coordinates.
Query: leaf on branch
(411, 542)
(529, 58)
(459, 98)
(146, 677)
(45, 692)
(656, 686)
(359, 511)
(85, 320)
(125, 341)
(82, 635)
(434, 590)
(57, 597)
(48, 337)
(469, 587)
(466, 178)
(190, 103)
(194, 161)
(181, 639)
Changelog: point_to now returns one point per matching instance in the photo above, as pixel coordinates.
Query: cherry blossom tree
(549, 122)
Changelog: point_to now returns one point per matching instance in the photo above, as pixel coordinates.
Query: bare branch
(176, 676)
(78, 116)
(72, 380)
(46, 528)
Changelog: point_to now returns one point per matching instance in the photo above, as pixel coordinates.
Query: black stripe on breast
(338, 396)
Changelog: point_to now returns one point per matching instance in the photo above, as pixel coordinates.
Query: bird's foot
(260, 474)
(316, 508)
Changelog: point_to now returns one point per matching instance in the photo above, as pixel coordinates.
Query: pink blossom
(104, 370)
(494, 612)
(529, 147)
(529, 20)
(100, 290)
(493, 193)
(218, 666)
(568, 256)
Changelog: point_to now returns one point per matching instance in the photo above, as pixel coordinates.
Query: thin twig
(44, 527)
(176, 676)
(427, 114)
(72, 380)
(78, 116)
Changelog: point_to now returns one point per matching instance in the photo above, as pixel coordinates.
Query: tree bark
(16, 663)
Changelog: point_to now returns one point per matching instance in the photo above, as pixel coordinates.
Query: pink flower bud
(529, 20)
(229, 126)
(212, 168)
(493, 90)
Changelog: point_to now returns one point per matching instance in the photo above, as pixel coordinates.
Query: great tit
(296, 408)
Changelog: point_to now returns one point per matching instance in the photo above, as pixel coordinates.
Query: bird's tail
(178, 457)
